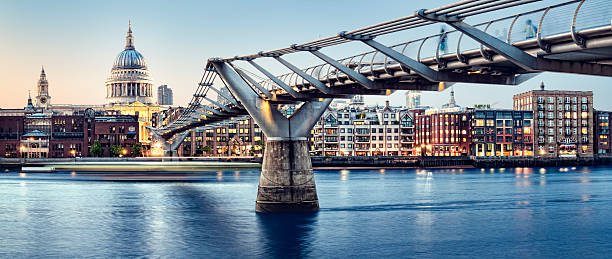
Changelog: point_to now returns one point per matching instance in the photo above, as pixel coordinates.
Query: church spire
(129, 40)
(43, 76)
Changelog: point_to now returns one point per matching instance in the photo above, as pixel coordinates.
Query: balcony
(331, 147)
(362, 139)
(331, 140)
(331, 133)
(362, 147)
(62, 135)
(407, 139)
(6, 136)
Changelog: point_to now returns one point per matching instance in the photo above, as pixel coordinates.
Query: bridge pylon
(287, 181)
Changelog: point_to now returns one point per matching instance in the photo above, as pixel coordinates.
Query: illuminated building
(240, 138)
(602, 136)
(441, 133)
(502, 133)
(563, 121)
(357, 130)
(129, 88)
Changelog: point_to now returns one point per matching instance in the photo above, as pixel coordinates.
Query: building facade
(502, 133)
(356, 130)
(164, 95)
(443, 133)
(40, 133)
(602, 133)
(240, 138)
(413, 99)
(118, 130)
(563, 121)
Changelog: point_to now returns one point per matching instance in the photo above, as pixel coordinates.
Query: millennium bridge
(568, 37)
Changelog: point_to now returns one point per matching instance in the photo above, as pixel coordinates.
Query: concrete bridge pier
(287, 181)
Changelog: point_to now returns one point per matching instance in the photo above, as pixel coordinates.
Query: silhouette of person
(443, 39)
(530, 30)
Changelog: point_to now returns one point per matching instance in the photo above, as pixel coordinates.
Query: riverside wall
(348, 161)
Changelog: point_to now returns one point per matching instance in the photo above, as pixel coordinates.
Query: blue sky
(77, 42)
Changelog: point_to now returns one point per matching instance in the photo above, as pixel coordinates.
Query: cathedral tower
(42, 98)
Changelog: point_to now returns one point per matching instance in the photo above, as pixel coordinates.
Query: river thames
(432, 213)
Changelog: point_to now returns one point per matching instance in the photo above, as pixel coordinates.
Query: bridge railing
(526, 26)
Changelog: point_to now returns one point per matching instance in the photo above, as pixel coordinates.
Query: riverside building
(502, 133)
(602, 136)
(240, 138)
(443, 132)
(563, 120)
(356, 130)
(38, 133)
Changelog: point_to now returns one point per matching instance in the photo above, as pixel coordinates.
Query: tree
(206, 149)
(115, 150)
(96, 149)
(137, 149)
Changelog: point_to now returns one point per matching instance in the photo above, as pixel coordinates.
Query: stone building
(43, 99)
(356, 130)
(563, 121)
(129, 80)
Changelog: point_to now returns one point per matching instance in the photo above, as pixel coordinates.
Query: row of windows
(560, 99)
(372, 145)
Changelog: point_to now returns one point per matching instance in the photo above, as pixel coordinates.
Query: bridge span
(568, 37)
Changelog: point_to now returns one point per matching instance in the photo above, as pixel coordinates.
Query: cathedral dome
(129, 80)
(130, 58)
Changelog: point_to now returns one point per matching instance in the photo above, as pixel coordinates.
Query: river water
(470, 213)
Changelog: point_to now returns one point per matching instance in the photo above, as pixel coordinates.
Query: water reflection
(287, 235)
(219, 176)
(344, 175)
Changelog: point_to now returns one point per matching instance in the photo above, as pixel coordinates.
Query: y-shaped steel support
(287, 181)
(170, 145)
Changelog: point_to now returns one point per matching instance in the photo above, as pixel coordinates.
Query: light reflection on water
(511, 212)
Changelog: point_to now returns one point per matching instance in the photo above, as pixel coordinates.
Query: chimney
(542, 86)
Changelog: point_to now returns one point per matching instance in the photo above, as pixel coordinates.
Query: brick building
(11, 128)
(444, 133)
(563, 121)
(119, 130)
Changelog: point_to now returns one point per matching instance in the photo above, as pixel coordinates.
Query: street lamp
(73, 154)
(22, 149)
(124, 151)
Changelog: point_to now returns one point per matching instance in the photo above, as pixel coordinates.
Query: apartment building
(502, 133)
(563, 121)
